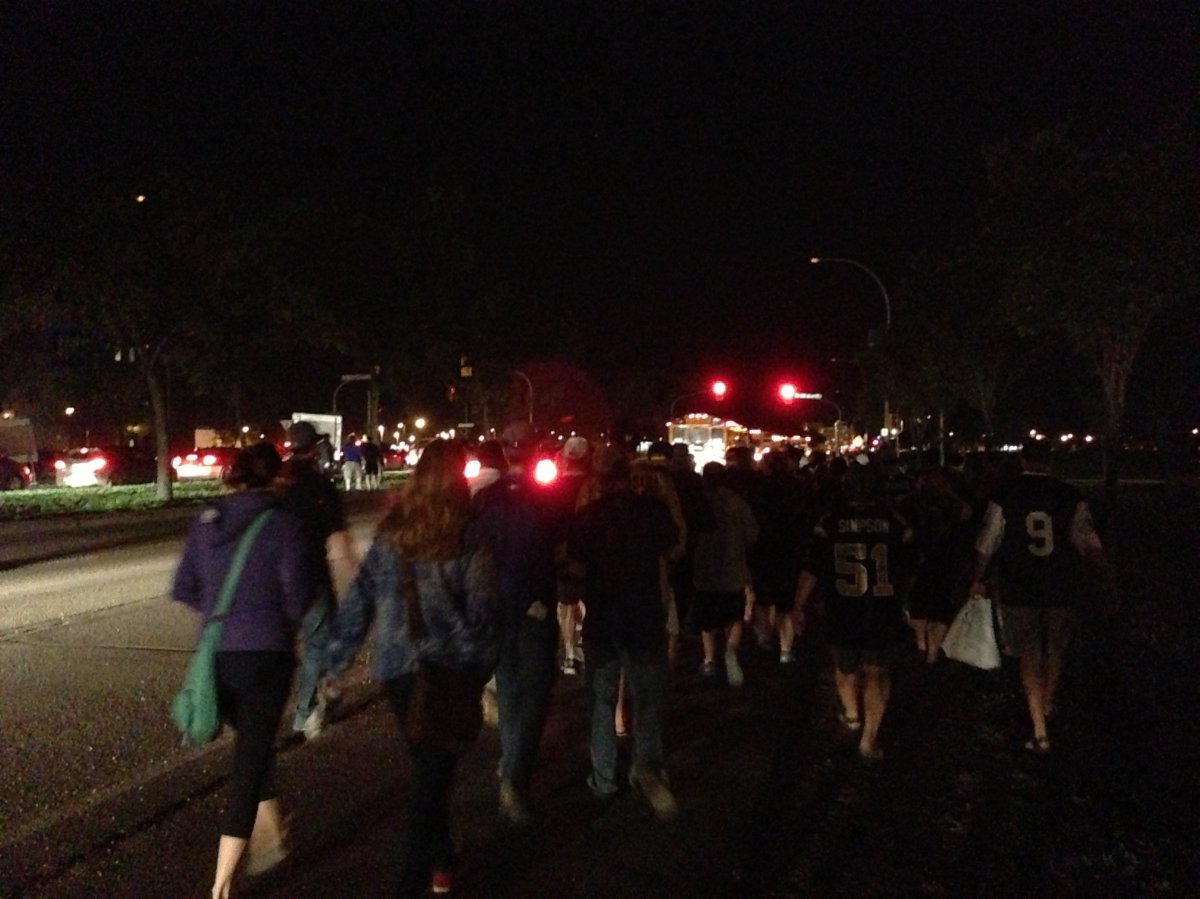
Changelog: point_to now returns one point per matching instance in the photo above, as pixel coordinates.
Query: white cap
(576, 448)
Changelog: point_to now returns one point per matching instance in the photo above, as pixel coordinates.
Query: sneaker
(568, 666)
(491, 708)
(786, 657)
(314, 724)
(442, 884)
(708, 670)
(512, 808)
(655, 789)
(733, 670)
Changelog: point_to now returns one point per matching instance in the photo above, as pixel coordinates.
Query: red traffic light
(787, 391)
(719, 389)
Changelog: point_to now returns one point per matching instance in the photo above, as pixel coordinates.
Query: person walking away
(372, 463)
(776, 499)
(256, 657)
(577, 458)
(615, 546)
(352, 464)
(722, 574)
(1036, 531)
(852, 556)
(689, 486)
(523, 525)
(492, 467)
(311, 495)
(424, 552)
(650, 477)
(940, 521)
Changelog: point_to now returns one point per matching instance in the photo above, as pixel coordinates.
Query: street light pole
(346, 379)
(887, 308)
(529, 384)
(887, 303)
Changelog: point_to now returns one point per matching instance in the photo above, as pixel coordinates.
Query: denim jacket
(458, 603)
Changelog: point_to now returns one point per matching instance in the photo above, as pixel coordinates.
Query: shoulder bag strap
(229, 585)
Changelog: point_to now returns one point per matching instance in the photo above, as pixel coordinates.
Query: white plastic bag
(972, 635)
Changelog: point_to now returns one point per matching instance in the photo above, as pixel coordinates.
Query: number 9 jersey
(1037, 529)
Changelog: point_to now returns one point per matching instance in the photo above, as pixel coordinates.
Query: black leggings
(252, 689)
(429, 846)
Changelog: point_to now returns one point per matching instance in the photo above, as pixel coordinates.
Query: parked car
(105, 466)
(202, 464)
(45, 472)
(14, 475)
(395, 458)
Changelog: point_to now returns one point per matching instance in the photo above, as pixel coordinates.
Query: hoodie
(276, 584)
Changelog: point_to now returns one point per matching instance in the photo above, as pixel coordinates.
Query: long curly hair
(430, 515)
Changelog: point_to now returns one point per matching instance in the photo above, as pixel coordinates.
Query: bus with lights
(707, 437)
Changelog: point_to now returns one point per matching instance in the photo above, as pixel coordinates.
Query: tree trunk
(987, 412)
(162, 449)
(1116, 363)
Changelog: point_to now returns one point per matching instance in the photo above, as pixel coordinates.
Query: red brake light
(60, 465)
(472, 469)
(545, 472)
(99, 463)
(176, 462)
(209, 459)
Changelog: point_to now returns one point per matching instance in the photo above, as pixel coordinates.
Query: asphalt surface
(774, 799)
(774, 802)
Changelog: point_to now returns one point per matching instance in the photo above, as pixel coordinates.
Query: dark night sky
(670, 165)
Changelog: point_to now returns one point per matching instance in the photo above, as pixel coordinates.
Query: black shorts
(713, 609)
(848, 661)
(777, 590)
(868, 624)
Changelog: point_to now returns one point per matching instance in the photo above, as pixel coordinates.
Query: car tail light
(99, 463)
(472, 469)
(209, 459)
(60, 465)
(545, 472)
(177, 461)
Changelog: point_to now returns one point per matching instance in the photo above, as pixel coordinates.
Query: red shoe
(443, 883)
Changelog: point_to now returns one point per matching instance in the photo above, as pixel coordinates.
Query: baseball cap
(576, 448)
(302, 434)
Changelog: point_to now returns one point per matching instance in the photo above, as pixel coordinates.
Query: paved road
(775, 803)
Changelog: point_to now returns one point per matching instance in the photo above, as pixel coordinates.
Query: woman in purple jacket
(257, 652)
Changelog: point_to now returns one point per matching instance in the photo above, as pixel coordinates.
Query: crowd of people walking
(603, 572)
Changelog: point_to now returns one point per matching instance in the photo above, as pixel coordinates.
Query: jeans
(524, 679)
(428, 845)
(315, 626)
(647, 679)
